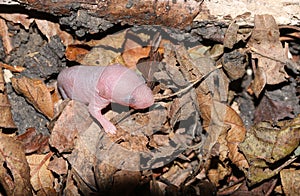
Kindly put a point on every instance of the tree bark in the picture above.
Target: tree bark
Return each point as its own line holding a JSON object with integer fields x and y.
{"x": 176, "y": 13}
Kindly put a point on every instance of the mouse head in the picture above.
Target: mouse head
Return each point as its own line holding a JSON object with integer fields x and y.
{"x": 141, "y": 97}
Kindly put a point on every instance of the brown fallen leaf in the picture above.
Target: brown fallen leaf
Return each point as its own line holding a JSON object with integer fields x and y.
{"x": 218, "y": 116}
{"x": 218, "y": 174}
{"x": 71, "y": 187}
{"x": 290, "y": 179}
{"x": 35, "y": 92}
{"x": 58, "y": 165}
{"x": 46, "y": 27}
{"x": 34, "y": 142}
{"x": 133, "y": 52}
{"x": 243, "y": 189}
{"x": 235, "y": 135}
{"x": 50, "y": 29}
{"x": 176, "y": 175}
{"x": 210, "y": 93}
{"x": 271, "y": 110}
{"x": 259, "y": 82}
{"x": 14, "y": 169}
{"x": 76, "y": 52}
{"x": 267, "y": 49}
{"x": 42, "y": 179}
{"x": 101, "y": 55}
{"x": 266, "y": 144}
{"x": 84, "y": 156}
{"x": 74, "y": 119}
{"x": 17, "y": 18}
{"x": 4, "y": 34}
{"x": 231, "y": 35}
{"x": 6, "y": 120}
{"x": 234, "y": 63}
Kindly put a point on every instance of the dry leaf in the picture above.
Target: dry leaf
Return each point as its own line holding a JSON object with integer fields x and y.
{"x": 58, "y": 165}
{"x": 34, "y": 141}
{"x": 266, "y": 144}
{"x": 177, "y": 175}
{"x": 17, "y": 18}
{"x": 103, "y": 175}
{"x": 85, "y": 155}
{"x": 74, "y": 119}
{"x": 99, "y": 56}
{"x": 71, "y": 188}
{"x": 220, "y": 117}
{"x": 6, "y": 120}
{"x": 76, "y": 52}
{"x": 235, "y": 135}
{"x": 214, "y": 87}
{"x": 231, "y": 35}
{"x": 102, "y": 55}
{"x": 271, "y": 110}
{"x": 4, "y": 34}
{"x": 35, "y": 92}
{"x": 218, "y": 174}
{"x": 290, "y": 179}
{"x": 259, "y": 82}
{"x": 267, "y": 49}
{"x": 42, "y": 179}
{"x": 50, "y": 29}
{"x": 199, "y": 51}
{"x": 234, "y": 63}
{"x": 115, "y": 40}
{"x": 133, "y": 52}
{"x": 14, "y": 169}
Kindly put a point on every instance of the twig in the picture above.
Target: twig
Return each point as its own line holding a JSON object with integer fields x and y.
{"x": 291, "y": 65}
{"x": 194, "y": 82}
{"x": 263, "y": 55}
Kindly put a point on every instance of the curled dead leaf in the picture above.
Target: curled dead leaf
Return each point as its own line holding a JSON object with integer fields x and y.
{"x": 42, "y": 179}
{"x": 234, "y": 63}
{"x": 34, "y": 141}
{"x": 231, "y": 35}
{"x": 4, "y": 34}
{"x": 14, "y": 169}
{"x": 267, "y": 49}
{"x": 220, "y": 121}
{"x": 6, "y": 120}
{"x": 74, "y": 119}
{"x": 76, "y": 52}
{"x": 272, "y": 110}
{"x": 134, "y": 52}
{"x": 35, "y": 92}
{"x": 259, "y": 82}
{"x": 265, "y": 144}
{"x": 290, "y": 179}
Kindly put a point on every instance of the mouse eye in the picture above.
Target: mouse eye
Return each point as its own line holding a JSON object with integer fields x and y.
{"x": 131, "y": 101}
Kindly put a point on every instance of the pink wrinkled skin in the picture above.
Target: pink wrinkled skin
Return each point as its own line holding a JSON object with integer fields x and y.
{"x": 97, "y": 86}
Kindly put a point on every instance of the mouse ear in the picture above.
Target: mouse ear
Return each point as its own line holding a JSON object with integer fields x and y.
{"x": 147, "y": 69}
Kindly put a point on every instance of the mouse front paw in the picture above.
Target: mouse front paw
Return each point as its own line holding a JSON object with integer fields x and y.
{"x": 109, "y": 128}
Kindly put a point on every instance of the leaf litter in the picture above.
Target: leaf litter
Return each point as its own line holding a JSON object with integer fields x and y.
{"x": 192, "y": 140}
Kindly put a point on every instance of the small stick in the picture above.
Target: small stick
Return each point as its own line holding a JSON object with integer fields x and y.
{"x": 194, "y": 82}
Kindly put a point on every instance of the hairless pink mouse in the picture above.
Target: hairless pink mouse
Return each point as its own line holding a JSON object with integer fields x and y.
{"x": 98, "y": 86}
